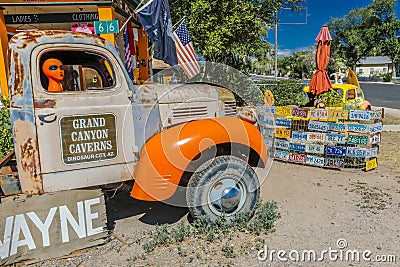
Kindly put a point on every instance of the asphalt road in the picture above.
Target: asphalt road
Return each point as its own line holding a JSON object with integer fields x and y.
{"x": 382, "y": 94}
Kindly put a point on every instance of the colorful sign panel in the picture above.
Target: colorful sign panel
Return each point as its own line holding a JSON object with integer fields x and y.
{"x": 283, "y": 123}
{"x": 338, "y": 114}
{"x": 300, "y": 112}
{"x": 297, "y": 147}
{"x": 376, "y": 114}
{"x": 315, "y": 160}
{"x": 297, "y": 158}
{"x": 358, "y": 128}
{"x": 376, "y": 139}
{"x": 283, "y": 111}
{"x": 358, "y": 140}
{"x": 336, "y": 127}
{"x": 280, "y": 154}
{"x": 371, "y": 164}
{"x": 319, "y": 113}
{"x": 335, "y": 162}
{"x": 336, "y": 150}
{"x": 88, "y": 138}
{"x": 360, "y": 115}
{"x": 372, "y": 152}
{"x": 336, "y": 138}
{"x": 282, "y": 144}
{"x": 375, "y": 128}
{"x": 318, "y": 126}
{"x": 356, "y": 152}
{"x": 299, "y": 136}
{"x": 316, "y": 137}
{"x": 266, "y": 120}
{"x": 282, "y": 133}
{"x": 315, "y": 148}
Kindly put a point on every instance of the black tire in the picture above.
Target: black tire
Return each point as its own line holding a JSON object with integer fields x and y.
{"x": 222, "y": 186}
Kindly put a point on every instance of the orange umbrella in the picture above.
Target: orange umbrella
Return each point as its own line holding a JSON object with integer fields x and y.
{"x": 320, "y": 81}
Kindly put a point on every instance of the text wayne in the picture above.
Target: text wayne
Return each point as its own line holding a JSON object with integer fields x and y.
{"x": 18, "y": 229}
{"x": 88, "y": 134}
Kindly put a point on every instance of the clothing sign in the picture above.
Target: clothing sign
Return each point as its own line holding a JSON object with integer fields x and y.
{"x": 51, "y": 18}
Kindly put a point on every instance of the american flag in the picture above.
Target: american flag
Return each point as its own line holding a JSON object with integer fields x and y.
{"x": 128, "y": 60}
{"x": 185, "y": 51}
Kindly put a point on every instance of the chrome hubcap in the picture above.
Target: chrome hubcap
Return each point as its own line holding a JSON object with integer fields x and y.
{"x": 230, "y": 198}
{"x": 226, "y": 196}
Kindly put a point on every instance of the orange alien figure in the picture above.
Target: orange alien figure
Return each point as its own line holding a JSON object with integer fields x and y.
{"x": 52, "y": 69}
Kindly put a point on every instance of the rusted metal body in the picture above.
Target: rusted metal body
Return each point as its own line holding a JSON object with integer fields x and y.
{"x": 37, "y": 147}
{"x": 9, "y": 184}
{"x": 58, "y": 136}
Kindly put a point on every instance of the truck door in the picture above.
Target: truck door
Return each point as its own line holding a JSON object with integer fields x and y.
{"x": 83, "y": 116}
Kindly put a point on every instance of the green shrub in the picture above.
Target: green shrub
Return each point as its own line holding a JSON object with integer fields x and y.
{"x": 332, "y": 99}
{"x": 6, "y": 142}
{"x": 286, "y": 92}
{"x": 387, "y": 77}
{"x": 263, "y": 222}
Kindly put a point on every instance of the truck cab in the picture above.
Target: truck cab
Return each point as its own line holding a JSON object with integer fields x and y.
{"x": 100, "y": 128}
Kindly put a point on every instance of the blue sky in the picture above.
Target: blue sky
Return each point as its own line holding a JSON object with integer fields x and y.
{"x": 300, "y": 36}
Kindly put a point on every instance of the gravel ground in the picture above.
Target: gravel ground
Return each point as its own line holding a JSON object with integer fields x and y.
{"x": 320, "y": 210}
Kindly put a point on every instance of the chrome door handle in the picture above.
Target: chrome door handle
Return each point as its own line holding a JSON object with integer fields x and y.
{"x": 43, "y": 117}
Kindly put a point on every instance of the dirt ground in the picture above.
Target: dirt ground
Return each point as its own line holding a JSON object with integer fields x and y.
{"x": 348, "y": 210}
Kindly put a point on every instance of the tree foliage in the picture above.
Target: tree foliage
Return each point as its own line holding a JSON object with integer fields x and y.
{"x": 229, "y": 32}
{"x": 300, "y": 65}
{"x": 363, "y": 31}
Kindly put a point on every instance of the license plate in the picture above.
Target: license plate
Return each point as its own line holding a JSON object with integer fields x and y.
{"x": 371, "y": 164}
{"x": 357, "y": 140}
{"x": 336, "y": 150}
{"x": 355, "y": 152}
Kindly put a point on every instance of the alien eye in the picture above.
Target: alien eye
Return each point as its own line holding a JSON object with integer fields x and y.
{"x": 53, "y": 67}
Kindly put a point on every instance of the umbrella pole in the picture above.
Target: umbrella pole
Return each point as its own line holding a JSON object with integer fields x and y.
{"x": 276, "y": 46}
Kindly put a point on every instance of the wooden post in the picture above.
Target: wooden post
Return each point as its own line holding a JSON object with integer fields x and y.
{"x": 3, "y": 56}
{"x": 107, "y": 13}
{"x": 143, "y": 56}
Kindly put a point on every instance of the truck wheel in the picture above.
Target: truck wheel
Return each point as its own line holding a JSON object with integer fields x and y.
{"x": 223, "y": 186}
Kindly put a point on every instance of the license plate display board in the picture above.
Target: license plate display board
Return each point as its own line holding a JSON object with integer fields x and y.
{"x": 331, "y": 137}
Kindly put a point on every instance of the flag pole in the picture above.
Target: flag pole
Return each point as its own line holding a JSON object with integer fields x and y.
{"x": 126, "y": 22}
{"x": 141, "y": 3}
{"x": 184, "y": 17}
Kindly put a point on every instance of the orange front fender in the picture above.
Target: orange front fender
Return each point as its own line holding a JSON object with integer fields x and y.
{"x": 366, "y": 105}
{"x": 165, "y": 156}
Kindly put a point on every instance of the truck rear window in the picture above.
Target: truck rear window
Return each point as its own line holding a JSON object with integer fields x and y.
{"x": 76, "y": 71}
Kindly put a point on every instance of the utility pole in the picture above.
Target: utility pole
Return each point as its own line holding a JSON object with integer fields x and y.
{"x": 276, "y": 36}
{"x": 276, "y": 46}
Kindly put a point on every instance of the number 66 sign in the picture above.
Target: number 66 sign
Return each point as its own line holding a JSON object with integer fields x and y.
{"x": 107, "y": 26}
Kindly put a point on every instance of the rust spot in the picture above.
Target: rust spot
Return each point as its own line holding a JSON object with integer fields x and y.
{"x": 18, "y": 75}
{"x": 45, "y": 103}
{"x": 29, "y": 163}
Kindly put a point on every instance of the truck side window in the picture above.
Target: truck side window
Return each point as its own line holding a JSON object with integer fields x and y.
{"x": 82, "y": 70}
{"x": 351, "y": 94}
{"x": 359, "y": 93}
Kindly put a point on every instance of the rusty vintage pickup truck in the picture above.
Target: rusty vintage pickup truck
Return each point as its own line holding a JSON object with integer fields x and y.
{"x": 101, "y": 129}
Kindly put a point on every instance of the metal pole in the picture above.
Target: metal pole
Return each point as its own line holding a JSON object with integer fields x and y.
{"x": 276, "y": 46}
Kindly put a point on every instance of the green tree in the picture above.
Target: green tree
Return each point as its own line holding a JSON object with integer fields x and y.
{"x": 390, "y": 46}
{"x": 300, "y": 65}
{"x": 359, "y": 33}
{"x": 230, "y": 32}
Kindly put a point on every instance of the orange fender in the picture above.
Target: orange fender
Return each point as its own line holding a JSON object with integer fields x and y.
{"x": 366, "y": 104}
{"x": 166, "y": 156}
